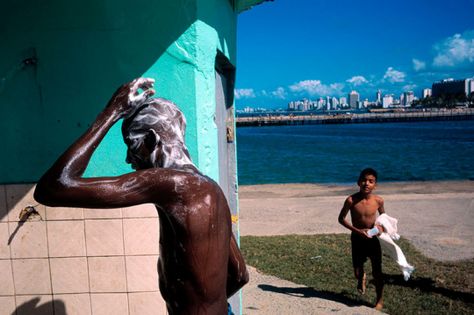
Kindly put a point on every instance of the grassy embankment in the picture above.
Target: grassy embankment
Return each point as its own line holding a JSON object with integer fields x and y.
{"x": 323, "y": 264}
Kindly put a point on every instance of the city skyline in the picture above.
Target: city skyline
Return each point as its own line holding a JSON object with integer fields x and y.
{"x": 291, "y": 50}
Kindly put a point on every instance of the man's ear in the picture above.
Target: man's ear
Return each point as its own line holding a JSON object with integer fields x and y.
{"x": 151, "y": 140}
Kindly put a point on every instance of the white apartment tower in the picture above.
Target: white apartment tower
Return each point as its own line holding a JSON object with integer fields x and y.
{"x": 378, "y": 97}
{"x": 342, "y": 101}
{"x": 409, "y": 98}
{"x": 426, "y": 93}
{"x": 387, "y": 101}
{"x": 353, "y": 99}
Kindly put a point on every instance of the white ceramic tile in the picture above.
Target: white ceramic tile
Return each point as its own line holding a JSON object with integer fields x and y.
{"x": 107, "y": 274}
{"x": 104, "y": 237}
{"x": 34, "y": 305}
{"x": 28, "y": 240}
{"x": 66, "y": 238}
{"x": 60, "y": 213}
{"x": 142, "y": 273}
{"x": 141, "y": 236}
{"x": 147, "y": 210}
{"x": 31, "y": 276}
{"x": 109, "y": 304}
{"x": 69, "y": 275}
{"x": 146, "y": 303}
{"x": 6, "y": 278}
{"x": 20, "y": 196}
{"x": 4, "y": 235}
{"x": 7, "y": 305}
{"x": 115, "y": 213}
{"x": 3, "y": 205}
{"x": 73, "y": 304}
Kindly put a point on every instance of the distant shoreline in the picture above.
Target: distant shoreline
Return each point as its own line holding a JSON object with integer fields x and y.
{"x": 383, "y": 187}
{"x": 278, "y": 119}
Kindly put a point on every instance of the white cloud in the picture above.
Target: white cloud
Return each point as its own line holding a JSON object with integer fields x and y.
{"x": 409, "y": 87}
{"x": 456, "y": 50}
{"x": 280, "y": 93}
{"x": 244, "y": 93}
{"x": 357, "y": 80}
{"x": 394, "y": 76}
{"x": 315, "y": 87}
{"x": 418, "y": 64}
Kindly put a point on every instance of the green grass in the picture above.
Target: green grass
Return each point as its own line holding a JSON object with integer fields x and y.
{"x": 323, "y": 263}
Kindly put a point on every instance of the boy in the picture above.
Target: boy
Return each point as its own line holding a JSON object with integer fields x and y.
{"x": 364, "y": 206}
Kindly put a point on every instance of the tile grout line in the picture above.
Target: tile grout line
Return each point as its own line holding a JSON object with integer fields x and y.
{"x": 87, "y": 263}
{"x": 49, "y": 262}
{"x": 9, "y": 246}
{"x": 125, "y": 262}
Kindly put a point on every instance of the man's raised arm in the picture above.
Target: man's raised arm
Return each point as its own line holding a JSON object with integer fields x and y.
{"x": 63, "y": 185}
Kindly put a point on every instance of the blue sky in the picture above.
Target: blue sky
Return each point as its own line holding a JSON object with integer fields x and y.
{"x": 294, "y": 49}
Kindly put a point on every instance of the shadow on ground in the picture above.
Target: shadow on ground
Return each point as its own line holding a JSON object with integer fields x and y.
{"x": 428, "y": 285}
{"x": 307, "y": 292}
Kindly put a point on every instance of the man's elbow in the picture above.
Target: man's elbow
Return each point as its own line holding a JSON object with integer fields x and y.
{"x": 41, "y": 194}
{"x": 47, "y": 193}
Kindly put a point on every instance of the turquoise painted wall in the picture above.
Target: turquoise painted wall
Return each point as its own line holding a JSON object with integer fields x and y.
{"x": 85, "y": 50}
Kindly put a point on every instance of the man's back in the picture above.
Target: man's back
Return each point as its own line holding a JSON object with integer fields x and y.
{"x": 195, "y": 233}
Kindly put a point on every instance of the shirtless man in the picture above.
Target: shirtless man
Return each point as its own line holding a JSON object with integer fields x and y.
{"x": 200, "y": 264}
{"x": 364, "y": 206}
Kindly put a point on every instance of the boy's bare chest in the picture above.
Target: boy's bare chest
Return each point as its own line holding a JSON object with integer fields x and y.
{"x": 365, "y": 208}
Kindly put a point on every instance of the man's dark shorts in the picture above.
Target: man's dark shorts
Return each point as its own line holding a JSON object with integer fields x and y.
{"x": 363, "y": 248}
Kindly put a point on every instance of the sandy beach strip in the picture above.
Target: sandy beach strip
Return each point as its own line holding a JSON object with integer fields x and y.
{"x": 437, "y": 217}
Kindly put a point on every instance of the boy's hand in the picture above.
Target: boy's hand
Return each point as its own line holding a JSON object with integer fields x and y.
{"x": 363, "y": 233}
{"x": 380, "y": 228}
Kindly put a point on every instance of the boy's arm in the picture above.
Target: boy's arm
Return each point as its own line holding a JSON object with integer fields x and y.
{"x": 342, "y": 218}
{"x": 381, "y": 205}
{"x": 63, "y": 185}
{"x": 381, "y": 210}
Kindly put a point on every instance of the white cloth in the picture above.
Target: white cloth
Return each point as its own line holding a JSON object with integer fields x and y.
{"x": 388, "y": 245}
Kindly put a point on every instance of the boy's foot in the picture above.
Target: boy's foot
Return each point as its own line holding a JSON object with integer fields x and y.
{"x": 361, "y": 284}
{"x": 379, "y": 306}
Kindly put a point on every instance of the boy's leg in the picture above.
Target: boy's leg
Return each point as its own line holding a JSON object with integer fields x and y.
{"x": 361, "y": 279}
{"x": 358, "y": 260}
{"x": 376, "y": 261}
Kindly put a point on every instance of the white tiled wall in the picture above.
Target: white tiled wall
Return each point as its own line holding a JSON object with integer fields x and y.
{"x": 77, "y": 261}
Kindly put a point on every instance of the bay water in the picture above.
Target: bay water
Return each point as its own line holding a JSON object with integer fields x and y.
{"x": 415, "y": 151}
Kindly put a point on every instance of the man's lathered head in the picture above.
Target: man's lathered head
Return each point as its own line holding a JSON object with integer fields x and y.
{"x": 154, "y": 135}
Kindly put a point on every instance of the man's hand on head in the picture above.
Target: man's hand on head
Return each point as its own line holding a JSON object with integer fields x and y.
{"x": 128, "y": 98}
{"x": 135, "y": 98}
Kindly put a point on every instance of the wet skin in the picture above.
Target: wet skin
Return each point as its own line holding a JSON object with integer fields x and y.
{"x": 200, "y": 264}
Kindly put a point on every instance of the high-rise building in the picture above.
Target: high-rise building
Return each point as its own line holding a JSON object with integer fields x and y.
{"x": 408, "y": 99}
{"x": 353, "y": 99}
{"x": 470, "y": 86}
{"x": 387, "y": 100}
{"x": 378, "y": 97}
{"x": 342, "y": 101}
{"x": 450, "y": 87}
{"x": 426, "y": 93}
{"x": 334, "y": 103}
